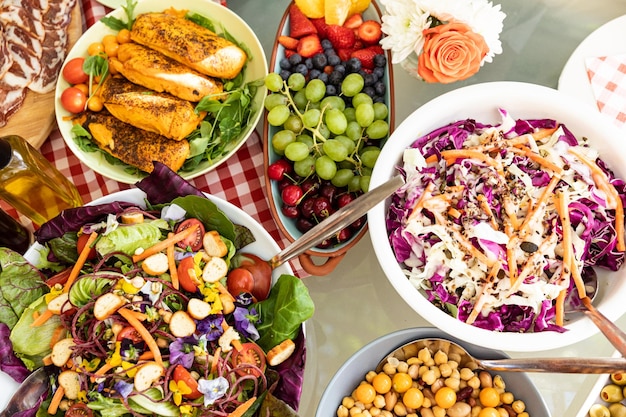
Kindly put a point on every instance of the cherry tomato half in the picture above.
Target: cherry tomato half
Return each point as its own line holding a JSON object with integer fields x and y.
{"x": 239, "y": 280}
{"x": 73, "y": 71}
{"x": 130, "y": 333}
{"x": 261, "y": 272}
{"x": 182, "y": 374}
{"x": 73, "y": 100}
{"x": 193, "y": 242}
{"x": 250, "y": 354}
{"x": 79, "y": 410}
{"x": 187, "y": 276}
{"x": 80, "y": 245}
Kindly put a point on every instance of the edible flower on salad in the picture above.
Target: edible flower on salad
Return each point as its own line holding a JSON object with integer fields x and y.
{"x": 498, "y": 224}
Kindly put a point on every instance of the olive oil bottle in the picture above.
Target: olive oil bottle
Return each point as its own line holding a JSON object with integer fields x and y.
{"x": 31, "y": 184}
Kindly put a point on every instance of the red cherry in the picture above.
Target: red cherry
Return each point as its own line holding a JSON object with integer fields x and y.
{"x": 290, "y": 211}
{"x": 292, "y": 194}
{"x": 277, "y": 170}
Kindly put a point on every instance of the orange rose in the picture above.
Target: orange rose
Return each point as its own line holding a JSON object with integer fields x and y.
{"x": 451, "y": 52}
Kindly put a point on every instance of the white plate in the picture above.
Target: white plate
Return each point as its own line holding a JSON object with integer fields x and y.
{"x": 223, "y": 18}
{"x": 603, "y": 41}
{"x": 480, "y": 102}
{"x": 113, "y": 4}
{"x": 264, "y": 246}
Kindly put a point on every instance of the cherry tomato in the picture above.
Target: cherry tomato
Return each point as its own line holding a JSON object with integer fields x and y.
{"x": 261, "y": 272}
{"x": 130, "y": 333}
{"x": 193, "y": 242}
{"x": 73, "y": 71}
{"x": 187, "y": 276}
{"x": 182, "y": 374}
{"x": 80, "y": 245}
{"x": 239, "y": 280}
{"x": 251, "y": 354}
{"x": 79, "y": 410}
{"x": 73, "y": 100}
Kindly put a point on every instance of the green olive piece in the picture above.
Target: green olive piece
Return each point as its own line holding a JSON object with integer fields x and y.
{"x": 599, "y": 410}
{"x": 617, "y": 410}
{"x": 619, "y": 378}
{"x": 612, "y": 393}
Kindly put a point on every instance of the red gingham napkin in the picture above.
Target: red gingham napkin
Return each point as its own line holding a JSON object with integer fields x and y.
{"x": 607, "y": 75}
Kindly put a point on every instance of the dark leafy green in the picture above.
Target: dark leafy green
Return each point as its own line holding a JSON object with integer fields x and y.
{"x": 64, "y": 247}
{"x": 20, "y": 285}
{"x": 282, "y": 314}
{"x": 118, "y": 24}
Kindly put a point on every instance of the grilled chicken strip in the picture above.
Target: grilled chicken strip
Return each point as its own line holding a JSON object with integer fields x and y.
{"x": 153, "y": 70}
{"x": 160, "y": 113}
{"x": 189, "y": 44}
{"x": 134, "y": 146}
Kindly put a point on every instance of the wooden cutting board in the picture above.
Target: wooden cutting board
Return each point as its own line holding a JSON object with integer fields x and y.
{"x": 35, "y": 119}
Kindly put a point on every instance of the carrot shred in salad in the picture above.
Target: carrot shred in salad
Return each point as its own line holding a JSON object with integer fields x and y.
{"x": 495, "y": 223}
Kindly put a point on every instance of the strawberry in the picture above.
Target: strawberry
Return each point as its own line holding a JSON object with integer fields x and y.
{"x": 289, "y": 52}
{"x": 309, "y": 46}
{"x": 320, "y": 25}
{"x": 354, "y": 21}
{"x": 370, "y": 32}
{"x": 288, "y": 42}
{"x": 344, "y": 54}
{"x": 366, "y": 56}
{"x": 340, "y": 37}
{"x": 299, "y": 24}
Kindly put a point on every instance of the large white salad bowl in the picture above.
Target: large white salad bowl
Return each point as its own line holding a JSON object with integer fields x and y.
{"x": 481, "y": 102}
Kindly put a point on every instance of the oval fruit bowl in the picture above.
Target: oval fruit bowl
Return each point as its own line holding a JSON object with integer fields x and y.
{"x": 329, "y": 113}
{"x": 206, "y": 151}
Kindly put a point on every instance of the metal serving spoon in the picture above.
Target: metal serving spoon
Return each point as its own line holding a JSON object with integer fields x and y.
{"x": 343, "y": 217}
{"x": 555, "y": 365}
{"x": 28, "y": 394}
{"x": 613, "y": 333}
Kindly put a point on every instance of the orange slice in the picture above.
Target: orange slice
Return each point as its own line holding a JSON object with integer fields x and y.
{"x": 313, "y": 9}
{"x": 336, "y": 11}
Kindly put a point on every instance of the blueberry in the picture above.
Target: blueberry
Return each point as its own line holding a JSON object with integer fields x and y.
{"x": 295, "y": 59}
{"x": 379, "y": 72}
{"x": 302, "y": 69}
{"x": 326, "y": 44}
{"x": 333, "y": 59}
{"x": 319, "y": 61}
{"x": 370, "y": 91}
{"x": 284, "y": 74}
{"x": 324, "y": 77}
{"x": 284, "y": 63}
{"x": 380, "y": 60}
{"x": 380, "y": 88}
{"x": 353, "y": 65}
{"x": 341, "y": 68}
{"x": 314, "y": 73}
{"x": 309, "y": 63}
{"x": 369, "y": 79}
{"x": 379, "y": 99}
{"x": 331, "y": 90}
{"x": 335, "y": 77}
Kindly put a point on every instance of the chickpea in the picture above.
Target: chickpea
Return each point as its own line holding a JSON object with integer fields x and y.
{"x": 440, "y": 358}
{"x": 348, "y": 402}
{"x": 403, "y": 367}
{"x": 342, "y": 411}
{"x": 518, "y": 406}
{"x": 370, "y": 376}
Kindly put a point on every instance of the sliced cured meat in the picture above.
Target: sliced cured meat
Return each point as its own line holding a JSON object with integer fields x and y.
{"x": 30, "y": 20}
{"x": 52, "y": 58}
{"x": 12, "y": 95}
{"x": 6, "y": 59}
{"x": 17, "y": 35}
{"x": 56, "y": 15}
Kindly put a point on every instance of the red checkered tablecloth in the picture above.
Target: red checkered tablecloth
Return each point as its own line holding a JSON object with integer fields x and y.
{"x": 240, "y": 180}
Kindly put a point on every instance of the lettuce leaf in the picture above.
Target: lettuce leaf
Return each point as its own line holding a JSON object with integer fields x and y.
{"x": 129, "y": 238}
{"x": 20, "y": 285}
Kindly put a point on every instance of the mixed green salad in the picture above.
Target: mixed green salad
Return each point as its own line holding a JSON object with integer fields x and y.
{"x": 153, "y": 310}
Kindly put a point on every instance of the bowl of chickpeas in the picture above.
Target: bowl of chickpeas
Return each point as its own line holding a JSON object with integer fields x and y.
{"x": 430, "y": 383}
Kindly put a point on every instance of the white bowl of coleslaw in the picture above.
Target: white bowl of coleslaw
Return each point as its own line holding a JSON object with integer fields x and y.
{"x": 485, "y": 246}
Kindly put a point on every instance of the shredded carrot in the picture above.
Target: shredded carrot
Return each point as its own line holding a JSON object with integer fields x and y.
{"x": 451, "y": 155}
{"x": 56, "y": 400}
{"x": 235, "y": 342}
{"x": 139, "y": 315}
{"x": 563, "y": 211}
{"x": 609, "y": 189}
{"x": 543, "y": 133}
{"x": 512, "y": 259}
{"x": 58, "y": 334}
{"x": 537, "y": 209}
{"x": 163, "y": 244}
{"x": 510, "y": 211}
{"x": 106, "y": 367}
{"x": 578, "y": 279}
{"x": 483, "y": 293}
{"x": 47, "y": 360}
{"x": 242, "y": 408}
{"x": 171, "y": 263}
{"x": 143, "y": 332}
{"x": 527, "y": 152}
{"x": 214, "y": 362}
{"x": 42, "y": 318}
{"x": 432, "y": 159}
{"x": 560, "y": 307}
{"x": 485, "y": 206}
{"x": 419, "y": 204}
{"x": 146, "y": 356}
{"x": 533, "y": 262}
{"x": 80, "y": 262}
